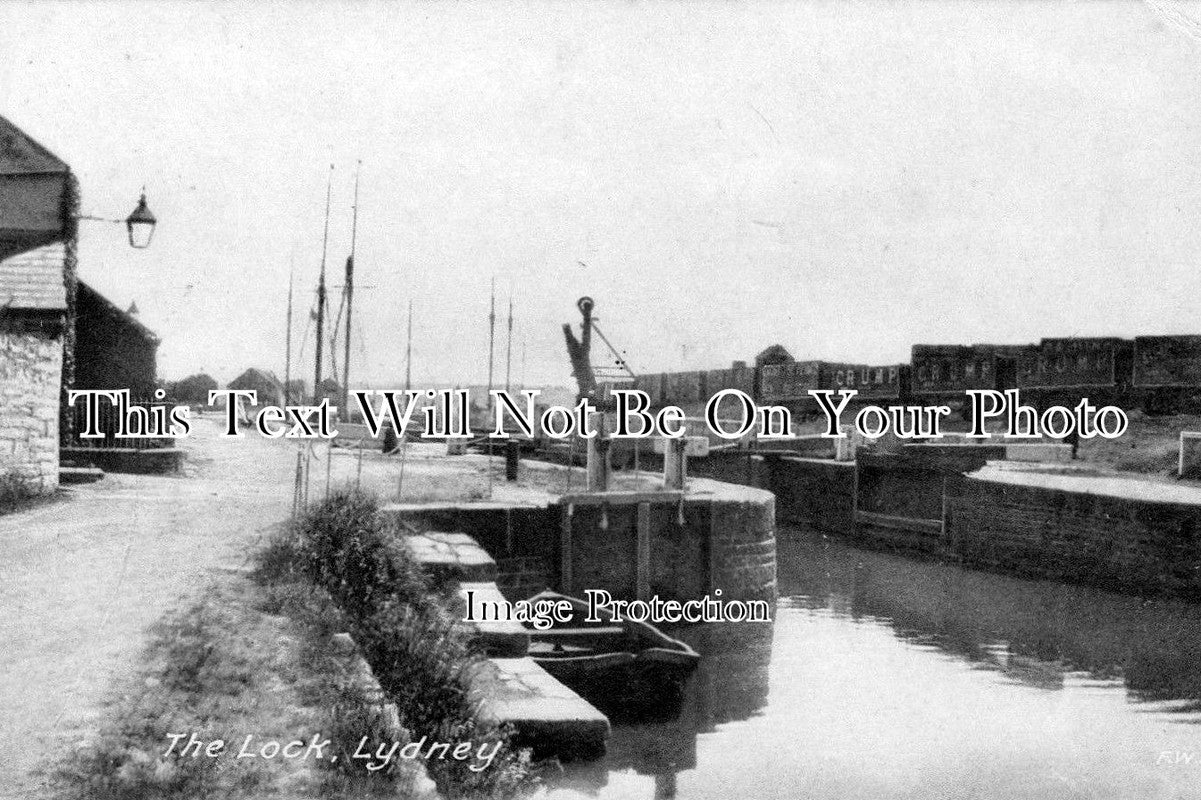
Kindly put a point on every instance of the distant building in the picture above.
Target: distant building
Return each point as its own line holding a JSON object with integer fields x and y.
{"x": 775, "y": 354}
{"x": 37, "y": 266}
{"x": 269, "y": 389}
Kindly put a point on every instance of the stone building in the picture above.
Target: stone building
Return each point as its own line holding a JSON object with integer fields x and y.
{"x": 56, "y": 333}
{"x": 31, "y": 360}
{"x": 37, "y": 253}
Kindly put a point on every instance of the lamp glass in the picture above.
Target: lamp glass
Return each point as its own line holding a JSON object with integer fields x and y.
{"x": 141, "y": 225}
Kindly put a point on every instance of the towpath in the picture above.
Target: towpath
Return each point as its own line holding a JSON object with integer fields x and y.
{"x": 82, "y": 581}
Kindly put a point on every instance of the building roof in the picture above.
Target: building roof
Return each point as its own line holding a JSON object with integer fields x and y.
{"x": 114, "y": 310}
{"x": 33, "y": 280}
{"x": 256, "y": 377}
{"x": 20, "y": 154}
{"x": 775, "y": 354}
{"x": 34, "y": 188}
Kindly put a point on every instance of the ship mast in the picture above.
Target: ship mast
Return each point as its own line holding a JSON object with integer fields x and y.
{"x": 354, "y": 227}
{"x": 321, "y": 291}
{"x": 288, "y": 339}
{"x": 509, "y": 344}
{"x": 409, "y": 355}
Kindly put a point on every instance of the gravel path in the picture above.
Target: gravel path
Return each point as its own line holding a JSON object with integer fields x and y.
{"x": 83, "y": 580}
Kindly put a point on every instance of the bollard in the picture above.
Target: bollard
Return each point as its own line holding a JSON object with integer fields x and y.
{"x": 675, "y": 464}
{"x": 512, "y": 459}
{"x": 390, "y": 440}
{"x": 598, "y": 463}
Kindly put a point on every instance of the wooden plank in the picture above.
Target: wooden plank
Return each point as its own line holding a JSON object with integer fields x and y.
{"x": 643, "y": 590}
{"x": 620, "y": 498}
{"x": 916, "y": 524}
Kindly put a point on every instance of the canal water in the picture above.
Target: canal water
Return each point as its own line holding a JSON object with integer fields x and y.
{"x": 889, "y": 677}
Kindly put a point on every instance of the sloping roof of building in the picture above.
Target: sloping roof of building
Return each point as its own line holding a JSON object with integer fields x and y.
{"x": 255, "y": 376}
{"x": 113, "y": 309}
{"x": 775, "y": 354}
{"x": 21, "y": 154}
{"x": 33, "y": 280}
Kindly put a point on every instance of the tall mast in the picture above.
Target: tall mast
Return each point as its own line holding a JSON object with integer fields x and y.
{"x": 491, "y": 336}
{"x": 409, "y": 354}
{"x": 288, "y": 340}
{"x": 321, "y": 290}
{"x": 491, "y": 350}
{"x": 509, "y": 343}
{"x": 354, "y": 228}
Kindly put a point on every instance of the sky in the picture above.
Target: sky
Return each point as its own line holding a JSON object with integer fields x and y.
{"x": 846, "y": 179}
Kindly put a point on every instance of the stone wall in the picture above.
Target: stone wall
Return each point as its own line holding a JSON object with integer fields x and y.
{"x": 809, "y": 491}
{"x": 723, "y": 538}
{"x": 1107, "y": 541}
{"x": 742, "y": 542}
{"x": 30, "y": 381}
{"x": 523, "y": 540}
{"x": 725, "y": 541}
{"x": 522, "y": 577}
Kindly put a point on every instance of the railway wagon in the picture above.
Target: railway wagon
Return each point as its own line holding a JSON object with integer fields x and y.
{"x": 948, "y": 370}
{"x": 683, "y": 388}
{"x": 736, "y": 377}
{"x": 781, "y": 384}
{"x": 713, "y": 381}
{"x": 882, "y": 383}
{"x": 1167, "y": 362}
{"x": 1166, "y": 373}
{"x": 837, "y": 376}
{"x": 744, "y": 379}
{"x": 652, "y": 384}
{"x": 1063, "y": 369}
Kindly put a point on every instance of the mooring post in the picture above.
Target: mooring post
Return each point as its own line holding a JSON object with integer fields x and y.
{"x": 565, "y": 550}
{"x": 512, "y": 459}
{"x": 675, "y": 463}
{"x": 643, "y": 579}
{"x": 599, "y": 465}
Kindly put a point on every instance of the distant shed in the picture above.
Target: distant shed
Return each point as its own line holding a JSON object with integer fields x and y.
{"x": 268, "y": 388}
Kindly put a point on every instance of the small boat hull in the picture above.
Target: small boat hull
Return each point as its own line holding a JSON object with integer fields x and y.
{"x": 626, "y": 669}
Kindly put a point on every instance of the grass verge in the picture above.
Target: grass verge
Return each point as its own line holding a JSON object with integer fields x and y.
{"x": 226, "y": 667}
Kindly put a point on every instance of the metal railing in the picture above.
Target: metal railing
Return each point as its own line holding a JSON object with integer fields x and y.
{"x": 109, "y": 424}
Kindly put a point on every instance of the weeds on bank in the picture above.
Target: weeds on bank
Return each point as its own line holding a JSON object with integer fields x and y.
{"x": 419, "y": 651}
{"x": 16, "y": 492}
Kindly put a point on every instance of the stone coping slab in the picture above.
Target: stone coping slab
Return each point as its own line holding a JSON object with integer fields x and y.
{"x": 500, "y": 638}
{"x": 1085, "y": 481}
{"x": 549, "y": 717}
{"x": 452, "y": 555}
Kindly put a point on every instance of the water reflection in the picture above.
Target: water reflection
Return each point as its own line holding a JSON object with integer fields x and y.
{"x": 730, "y": 684}
{"x": 885, "y": 676}
{"x": 1034, "y": 632}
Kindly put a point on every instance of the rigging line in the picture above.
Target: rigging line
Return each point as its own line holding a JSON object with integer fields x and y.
{"x": 620, "y": 359}
{"x": 333, "y": 355}
{"x": 304, "y": 339}
{"x": 358, "y": 325}
{"x": 1172, "y": 13}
